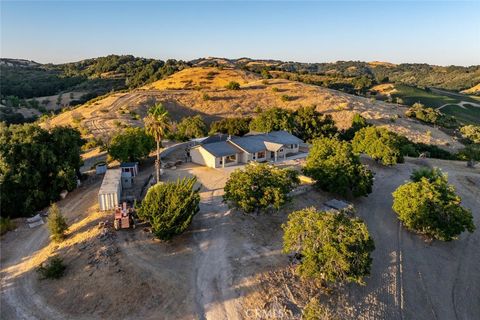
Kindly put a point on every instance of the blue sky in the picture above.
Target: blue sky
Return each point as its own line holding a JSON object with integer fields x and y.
{"x": 444, "y": 32}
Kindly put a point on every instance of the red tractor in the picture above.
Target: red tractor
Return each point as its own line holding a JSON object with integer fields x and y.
{"x": 124, "y": 217}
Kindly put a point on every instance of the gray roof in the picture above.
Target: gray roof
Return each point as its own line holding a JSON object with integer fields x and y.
{"x": 256, "y": 142}
{"x": 220, "y": 146}
{"x": 250, "y": 143}
{"x": 220, "y": 149}
{"x": 111, "y": 181}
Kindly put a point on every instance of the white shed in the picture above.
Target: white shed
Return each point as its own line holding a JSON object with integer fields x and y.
{"x": 111, "y": 190}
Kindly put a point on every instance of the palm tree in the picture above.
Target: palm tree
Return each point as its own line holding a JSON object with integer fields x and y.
{"x": 157, "y": 124}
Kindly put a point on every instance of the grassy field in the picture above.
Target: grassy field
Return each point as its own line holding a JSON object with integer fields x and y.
{"x": 436, "y": 98}
{"x": 469, "y": 115}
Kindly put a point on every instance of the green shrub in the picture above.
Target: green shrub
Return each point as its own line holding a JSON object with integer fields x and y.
{"x": 275, "y": 89}
{"x": 55, "y": 269}
{"x": 132, "y": 144}
{"x": 170, "y": 207}
{"x": 380, "y": 144}
{"x": 235, "y": 126}
{"x": 335, "y": 168}
{"x": 206, "y": 96}
{"x": 56, "y": 223}
{"x": 431, "y": 207}
{"x": 192, "y": 127}
{"x": 471, "y": 132}
{"x": 233, "y": 85}
{"x": 259, "y": 186}
{"x": 431, "y": 174}
{"x": 332, "y": 246}
{"x": 286, "y": 97}
{"x": 315, "y": 311}
{"x": 358, "y": 122}
{"x": 6, "y": 225}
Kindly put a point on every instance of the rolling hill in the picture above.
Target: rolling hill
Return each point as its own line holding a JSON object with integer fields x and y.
{"x": 200, "y": 90}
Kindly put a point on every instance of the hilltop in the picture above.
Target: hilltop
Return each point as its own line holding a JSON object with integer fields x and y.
{"x": 200, "y": 90}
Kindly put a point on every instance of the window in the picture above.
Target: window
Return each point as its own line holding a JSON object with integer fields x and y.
{"x": 231, "y": 158}
{"x": 261, "y": 154}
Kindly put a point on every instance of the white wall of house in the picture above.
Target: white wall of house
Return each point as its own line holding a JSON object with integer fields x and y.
{"x": 201, "y": 156}
{"x": 291, "y": 148}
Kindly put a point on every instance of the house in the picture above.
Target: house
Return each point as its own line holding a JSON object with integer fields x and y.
{"x": 111, "y": 190}
{"x": 221, "y": 150}
{"x": 129, "y": 170}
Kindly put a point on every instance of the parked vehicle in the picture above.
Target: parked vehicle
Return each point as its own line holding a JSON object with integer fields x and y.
{"x": 124, "y": 217}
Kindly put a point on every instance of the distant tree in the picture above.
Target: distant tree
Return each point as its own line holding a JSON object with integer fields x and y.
{"x": 157, "y": 124}
{"x": 470, "y": 153}
{"x": 431, "y": 207}
{"x": 311, "y": 124}
{"x": 273, "y": 119}
{"x": 358, "y": 122}
{"x": 265, "y": 74}
{"x": 430, "y": 115}
{"x": 332, "y": 246}
{"x": 259, "y": 186}
{"x": 232, "y": 126}
{"x": 233, "y": 85}
{"x": 132, "y": 144}
{"x": 56, "y": 223}
{"x": 169, "y": 207}
{"x": 335, "y": 168}
{"x": 192, "y": 127}
{"x": 471, "y": 132}
{"x": 380, "y": 144}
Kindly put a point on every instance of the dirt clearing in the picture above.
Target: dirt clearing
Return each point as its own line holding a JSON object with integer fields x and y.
{"x": 230, "y": 266}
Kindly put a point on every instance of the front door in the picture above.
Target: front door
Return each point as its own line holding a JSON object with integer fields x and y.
{"x": 272, "y": 155}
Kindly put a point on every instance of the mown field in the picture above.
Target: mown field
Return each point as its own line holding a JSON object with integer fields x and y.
{"x": 467, "y": 113}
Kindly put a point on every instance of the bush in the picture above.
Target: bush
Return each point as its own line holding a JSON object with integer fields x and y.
{"x": 206, "y": 96}
{"x": 55, "y": 269}
{"x": 273, "y": 119}
{"x": 332, "y": 246}
{"x": 233, "y": 85}
{"x": 286, "y": 97}
{"x": 310, "y": 124}
{"x": 430, "y": 115}
{"x": 259, "y": 186}
{"x": 6, "y": 225}
{"x": 335, "y": 168}
{"x": 358, "y": 122}
{"x": 469, "y": 153}
{"x": 56, "y": 223}
{"x": 315, "y": 311}
{"x": 170, "y": 207}
{"x": 380, "y": 144}
{"x": 431, "y": 174}
{"x": 232, "y": 126}
{"x": 132, "y": 144}
{"x": 192, "y": 127}
{"x": 431, "y": 207}
{"x": 471, "y": 133}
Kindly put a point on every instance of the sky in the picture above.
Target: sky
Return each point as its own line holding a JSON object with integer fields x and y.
{"x": 434, "y": 32}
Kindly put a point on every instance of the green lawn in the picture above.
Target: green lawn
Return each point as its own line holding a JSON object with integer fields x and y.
{"x": 410, "y": 95}
{"x": 471, "y": 115}
{"x": 436, "y": 98}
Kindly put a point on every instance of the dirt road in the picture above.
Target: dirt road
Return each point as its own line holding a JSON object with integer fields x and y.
{"x": 212, "y": 270}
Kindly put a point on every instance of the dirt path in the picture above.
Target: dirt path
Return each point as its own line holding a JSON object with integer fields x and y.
{"x": 19, "y": 297}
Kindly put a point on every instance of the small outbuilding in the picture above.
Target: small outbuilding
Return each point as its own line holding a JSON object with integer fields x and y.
{"x": 111, "y": 190}
{"x": 129, "y": 169}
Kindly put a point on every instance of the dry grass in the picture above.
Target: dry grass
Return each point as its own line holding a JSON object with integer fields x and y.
{"x": 473, "y": 90}
{"x": 192, "y": 83}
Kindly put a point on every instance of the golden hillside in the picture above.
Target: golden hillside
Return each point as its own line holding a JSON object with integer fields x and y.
{"x": 201, "y": 91}
{"x": 473, "y": 90}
